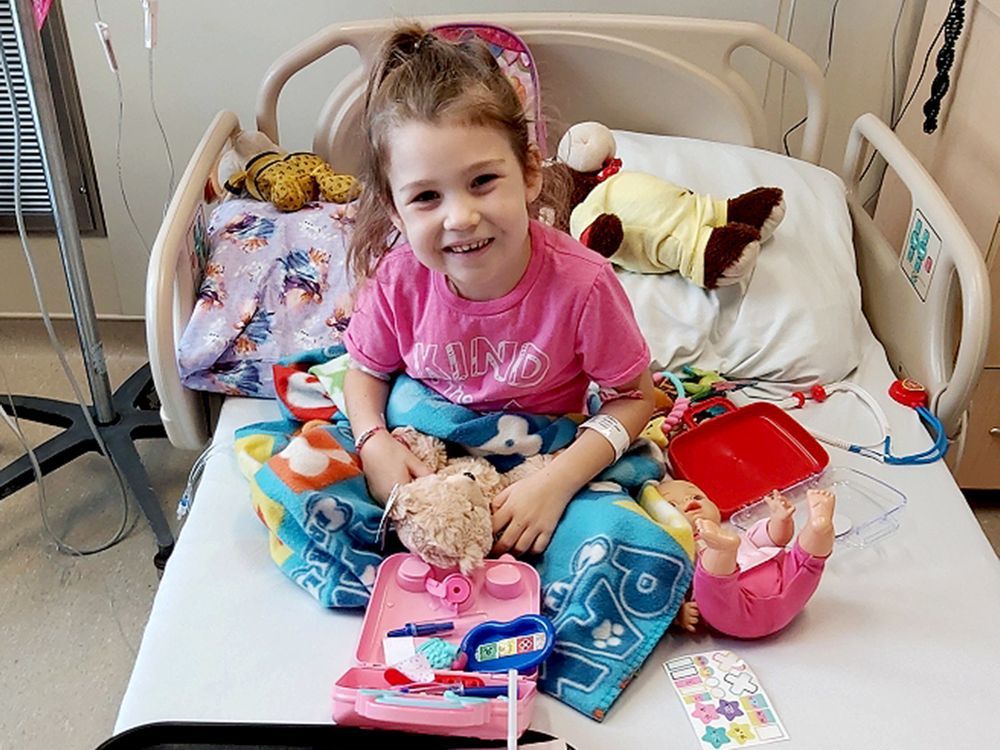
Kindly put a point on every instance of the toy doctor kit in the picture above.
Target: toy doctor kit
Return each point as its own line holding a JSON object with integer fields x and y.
{"x": 446, "y": 653}
{"x": 745, "y": 452}
{"x": 907, "y": 392}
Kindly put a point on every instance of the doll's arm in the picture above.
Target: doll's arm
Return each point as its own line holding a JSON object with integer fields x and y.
{"x": 780, "y": 524}
{"x": 688, "y": 616}
{"x": 527, "y": 512}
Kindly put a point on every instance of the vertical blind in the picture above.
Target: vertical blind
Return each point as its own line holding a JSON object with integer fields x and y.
{"x": 35, "y": 200}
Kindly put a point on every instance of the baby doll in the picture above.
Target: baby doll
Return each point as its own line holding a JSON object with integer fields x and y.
{"x": 746, "y": 585}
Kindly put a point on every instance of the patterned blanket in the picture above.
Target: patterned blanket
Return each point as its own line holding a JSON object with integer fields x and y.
{"x": 612, "y": 579}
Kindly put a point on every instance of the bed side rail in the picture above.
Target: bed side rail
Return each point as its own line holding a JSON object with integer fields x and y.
{"x": 172, "y": 285}
{"x": 698, "y": 90}
{"x": 916, "y": 320}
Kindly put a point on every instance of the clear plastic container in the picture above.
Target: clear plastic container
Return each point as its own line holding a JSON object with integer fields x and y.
{"x": 867, "y": 510}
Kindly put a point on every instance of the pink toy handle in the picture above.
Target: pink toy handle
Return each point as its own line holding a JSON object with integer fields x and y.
{"x": 694, "y": 411}
{"x": 468, "y": 715}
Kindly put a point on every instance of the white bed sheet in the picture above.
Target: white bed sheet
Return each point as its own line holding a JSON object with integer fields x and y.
{"x": 898, "y": 648}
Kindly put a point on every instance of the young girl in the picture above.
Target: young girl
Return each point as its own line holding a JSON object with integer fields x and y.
{"x": 491, "y": 309}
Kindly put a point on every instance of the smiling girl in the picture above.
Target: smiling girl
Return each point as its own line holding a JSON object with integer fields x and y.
{"x": 483, "y": 304}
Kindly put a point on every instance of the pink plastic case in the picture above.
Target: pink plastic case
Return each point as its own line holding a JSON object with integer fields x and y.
{"x": 409, "y": 590}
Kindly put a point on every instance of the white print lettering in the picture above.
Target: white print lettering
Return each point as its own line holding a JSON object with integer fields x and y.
{"x": 518, "y": 364}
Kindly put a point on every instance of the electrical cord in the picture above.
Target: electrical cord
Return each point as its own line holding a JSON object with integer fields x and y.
{"x": 953, "y": 24}
{"x": 123, "y": 529}
{"x": 826, "y": 69}
{"x": 909, "y": 100}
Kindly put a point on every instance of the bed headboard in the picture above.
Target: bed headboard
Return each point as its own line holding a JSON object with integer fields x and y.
{"x": 654, "y": 74}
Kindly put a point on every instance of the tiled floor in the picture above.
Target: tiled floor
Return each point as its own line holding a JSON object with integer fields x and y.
{"x": 69, "y": 627}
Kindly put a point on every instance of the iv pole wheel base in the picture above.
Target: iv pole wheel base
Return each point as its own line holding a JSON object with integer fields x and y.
{"x": 161, "y": 557}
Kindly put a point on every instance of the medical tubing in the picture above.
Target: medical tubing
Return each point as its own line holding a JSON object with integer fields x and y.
{"x": 60, "y": 353}
{"x": 163, "y": 133}
{"x": 118, "y": 148}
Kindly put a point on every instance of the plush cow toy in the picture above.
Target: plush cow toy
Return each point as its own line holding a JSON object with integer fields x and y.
{"x": 646, "y": 224}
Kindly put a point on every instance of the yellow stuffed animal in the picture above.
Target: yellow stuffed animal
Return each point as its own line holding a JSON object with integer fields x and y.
{"x": 289, "y": 181}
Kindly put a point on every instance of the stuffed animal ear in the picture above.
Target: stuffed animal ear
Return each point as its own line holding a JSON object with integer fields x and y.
{"x": 236, "y": 183}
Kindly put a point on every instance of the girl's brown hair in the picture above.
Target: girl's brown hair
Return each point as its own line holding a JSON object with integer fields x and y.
{"x": 420, "y": 76}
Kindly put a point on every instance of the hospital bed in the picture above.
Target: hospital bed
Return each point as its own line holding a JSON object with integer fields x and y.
{"x": 897, "y": 649}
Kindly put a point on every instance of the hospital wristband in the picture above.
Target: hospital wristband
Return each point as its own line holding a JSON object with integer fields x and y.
{"x": 612, "y": 430}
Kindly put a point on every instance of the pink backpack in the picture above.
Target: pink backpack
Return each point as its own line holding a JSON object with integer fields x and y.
{"x": 514, "y": 59}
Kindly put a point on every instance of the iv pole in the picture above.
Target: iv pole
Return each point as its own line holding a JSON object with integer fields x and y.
{"x": 122, "y": 416}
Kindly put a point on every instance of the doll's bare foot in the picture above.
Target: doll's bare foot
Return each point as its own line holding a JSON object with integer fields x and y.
{"x": 817, "y": 536}
{"x": 688, "y": 616}
{"x": 719, "y": 556}
{"x": 780, "y": 525}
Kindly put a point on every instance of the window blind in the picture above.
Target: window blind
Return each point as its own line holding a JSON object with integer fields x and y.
{"x": 35, "y": 200}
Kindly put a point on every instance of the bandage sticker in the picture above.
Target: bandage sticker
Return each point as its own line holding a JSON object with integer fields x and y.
{"x": 734, "y": 711}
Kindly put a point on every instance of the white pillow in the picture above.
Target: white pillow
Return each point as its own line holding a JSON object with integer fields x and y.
{"x": 800, "y": 317}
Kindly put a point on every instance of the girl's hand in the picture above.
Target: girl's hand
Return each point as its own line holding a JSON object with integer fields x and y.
{"x": 526, "y": 513}
{"x": 386, "y": 463}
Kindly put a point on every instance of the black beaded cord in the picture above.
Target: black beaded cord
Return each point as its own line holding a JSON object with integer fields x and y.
{"x": 945, "y": 59}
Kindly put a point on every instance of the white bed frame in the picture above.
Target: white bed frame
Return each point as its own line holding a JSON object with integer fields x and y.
{"x": 701, "y": 94}
{"x": 895, "y": 649}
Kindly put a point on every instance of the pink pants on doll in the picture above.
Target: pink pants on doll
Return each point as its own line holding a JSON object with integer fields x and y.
{"x": 762, "y": 600}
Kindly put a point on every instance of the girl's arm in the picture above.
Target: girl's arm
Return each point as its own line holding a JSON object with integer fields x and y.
{"x": 386, "y": 461}
{"x": 529, "y": 510}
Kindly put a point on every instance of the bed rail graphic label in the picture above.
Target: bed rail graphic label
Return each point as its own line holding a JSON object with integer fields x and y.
{"x": 920, "y": 253}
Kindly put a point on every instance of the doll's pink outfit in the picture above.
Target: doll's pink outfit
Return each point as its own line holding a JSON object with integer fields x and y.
{"x": 769, "y": 587}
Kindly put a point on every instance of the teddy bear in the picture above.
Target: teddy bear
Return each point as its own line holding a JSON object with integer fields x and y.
{"x": 646, "y": 224}
{"x": 256, "y": 167}
{"x": 444, "y": 517}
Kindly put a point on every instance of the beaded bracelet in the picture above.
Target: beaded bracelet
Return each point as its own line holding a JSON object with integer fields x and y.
{"x": 366, "y": 436}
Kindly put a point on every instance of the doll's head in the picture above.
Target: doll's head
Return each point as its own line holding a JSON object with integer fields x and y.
{"x": 689, "y": 499}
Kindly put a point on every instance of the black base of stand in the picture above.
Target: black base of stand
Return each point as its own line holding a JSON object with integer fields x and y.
{"x": 137, "y": 407}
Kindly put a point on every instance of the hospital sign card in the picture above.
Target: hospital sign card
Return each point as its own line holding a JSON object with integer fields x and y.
{"x": 724, "y": 701}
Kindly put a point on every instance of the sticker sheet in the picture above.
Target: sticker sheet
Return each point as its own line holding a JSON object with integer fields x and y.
{"x": 724, "y": 700}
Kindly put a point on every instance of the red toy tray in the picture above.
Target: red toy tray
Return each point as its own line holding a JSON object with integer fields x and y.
{"x": 739, "y": 456}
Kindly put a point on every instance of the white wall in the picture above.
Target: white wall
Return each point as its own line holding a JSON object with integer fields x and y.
{"x": 211, "y": 56}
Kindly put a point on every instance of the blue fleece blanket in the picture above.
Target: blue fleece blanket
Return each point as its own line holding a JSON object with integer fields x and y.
{"x": 612, "y": 579}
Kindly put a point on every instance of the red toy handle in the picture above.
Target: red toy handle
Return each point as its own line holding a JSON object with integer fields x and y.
{"x": 696, "y": 409}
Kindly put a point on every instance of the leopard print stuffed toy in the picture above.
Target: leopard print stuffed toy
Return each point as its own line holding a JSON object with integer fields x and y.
{"x": 289, "y": 181}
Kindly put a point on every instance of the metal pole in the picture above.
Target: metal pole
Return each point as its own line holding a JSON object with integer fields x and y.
{"x": 63, "y": 209}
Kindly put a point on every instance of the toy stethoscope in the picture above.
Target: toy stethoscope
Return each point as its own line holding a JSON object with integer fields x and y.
{"x": 907, "y": 392}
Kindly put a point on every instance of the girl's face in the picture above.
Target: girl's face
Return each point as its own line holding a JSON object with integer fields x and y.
{"x": 461, "y": 200}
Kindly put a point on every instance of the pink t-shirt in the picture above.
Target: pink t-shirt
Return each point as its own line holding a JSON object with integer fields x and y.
{"x": 535, "y": 350}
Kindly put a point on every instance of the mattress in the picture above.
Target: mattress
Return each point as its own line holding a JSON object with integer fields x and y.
{"x": 894, "y": 650}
